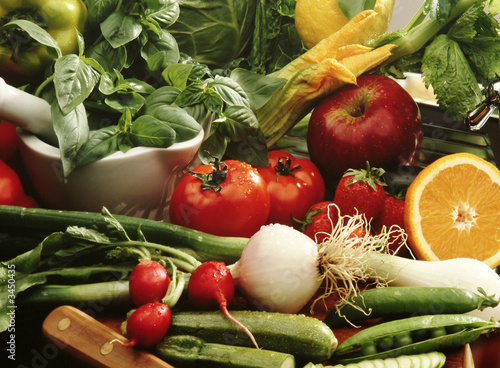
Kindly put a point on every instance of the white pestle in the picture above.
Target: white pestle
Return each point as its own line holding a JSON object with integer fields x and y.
{"x": 27, "y": 111}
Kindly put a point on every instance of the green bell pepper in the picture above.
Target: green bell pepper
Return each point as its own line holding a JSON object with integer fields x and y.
{"x": 22, "y": 58}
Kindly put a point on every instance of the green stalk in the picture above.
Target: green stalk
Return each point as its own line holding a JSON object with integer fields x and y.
{"x": 202, "y": 246}
{"x": 418, "y": 33}
{"x": 103, "y": 293}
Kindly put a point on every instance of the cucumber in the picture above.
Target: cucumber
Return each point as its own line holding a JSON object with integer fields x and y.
{"x": 192, "y": 351}
{"x": 307, "y": 338}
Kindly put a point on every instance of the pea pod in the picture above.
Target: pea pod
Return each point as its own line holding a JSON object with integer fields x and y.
{"x": 434, "y": 359}
{"x": 408, "y": 301}
{"x": 414, "y": 335}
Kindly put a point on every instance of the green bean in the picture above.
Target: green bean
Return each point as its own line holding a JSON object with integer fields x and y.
{"x": 408, "y": 301}
{"x": 414, "y": 335}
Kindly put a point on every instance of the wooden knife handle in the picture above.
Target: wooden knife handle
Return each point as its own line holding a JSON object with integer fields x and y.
{"x": 94, "y": 343}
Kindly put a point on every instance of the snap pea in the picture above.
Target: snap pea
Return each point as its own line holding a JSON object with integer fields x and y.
{"x": 408, "y": 301}
{"x": 414, "y": 335}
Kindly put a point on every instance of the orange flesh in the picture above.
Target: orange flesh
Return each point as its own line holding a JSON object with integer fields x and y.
{"x": 460, "y": 211}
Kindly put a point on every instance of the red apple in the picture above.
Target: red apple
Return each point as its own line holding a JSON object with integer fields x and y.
{"x": 376, "y": 121}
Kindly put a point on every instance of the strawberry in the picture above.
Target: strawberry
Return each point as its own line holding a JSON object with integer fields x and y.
{"x": 392, "y": 214}
{"x": 319, "y": 221}
{"x": 361, "y": 191}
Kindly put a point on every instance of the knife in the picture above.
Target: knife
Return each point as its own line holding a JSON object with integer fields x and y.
{"x": 94, "y": 343}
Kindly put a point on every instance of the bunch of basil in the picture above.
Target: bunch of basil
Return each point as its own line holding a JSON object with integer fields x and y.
{"x": 132, "y": 86}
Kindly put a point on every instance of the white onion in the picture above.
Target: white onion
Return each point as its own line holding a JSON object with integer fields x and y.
{"x": 465, "y": 273}
{"x": 278, "y": 269}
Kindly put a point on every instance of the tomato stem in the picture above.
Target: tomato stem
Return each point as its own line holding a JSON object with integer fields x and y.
{"x": 283, "y": 167}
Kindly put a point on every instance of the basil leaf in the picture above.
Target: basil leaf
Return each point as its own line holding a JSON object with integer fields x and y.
{"x": 150, "y": 132}
{"x": 238, "y": 134}
{"x": 120, "y": 29}
{"x": 74, "y": 80}
{"x": 162, "y": 96}
{"x": 166, "y": 15}
{"x": 121, "y": 101}
{"x": 102, "y": 143}
{"x": 38, "y": 34}
{"x": 160, "y": 51}
{"x": 72, "y": 132}
{"x": 177, "y": 75}
{"x": 185, "y": 126}
{"x": 108, "y": 57}
{"x": 259, "y": 88}
{"x": 229, "y": 91}
{"x": 352, "y": 7}
{"x": 99, "y": 10}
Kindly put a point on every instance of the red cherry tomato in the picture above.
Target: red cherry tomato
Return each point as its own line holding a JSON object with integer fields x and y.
{"x": 11, "y": 188}
{"x": 294, "y": 186}
{"x": 226, "y": 198}
{"x": 9, "y": 141}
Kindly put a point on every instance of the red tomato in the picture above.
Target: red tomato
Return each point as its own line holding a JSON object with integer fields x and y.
{"x": 294, "y": 186}
{"x": 226, "y": 198}
{"x": 9, "y": 141}
{"x": 11, "y": 188}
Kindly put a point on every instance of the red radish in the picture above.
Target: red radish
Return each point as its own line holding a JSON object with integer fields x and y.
{"x": 148, "y": 282}
{"x": 148, "y": 325}
{"x": 211, "y": 285}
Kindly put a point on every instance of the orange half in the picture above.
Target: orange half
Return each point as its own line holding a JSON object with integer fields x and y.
{"x": 452, "y": 210}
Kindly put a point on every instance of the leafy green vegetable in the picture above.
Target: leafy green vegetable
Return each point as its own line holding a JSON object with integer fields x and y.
{"x": 214, "y": 32}
{"x": 131, "y": 66}
{"x": 455, "y": 44}
{"x": 275, "y": 39}
{"x": 84, "y": 255}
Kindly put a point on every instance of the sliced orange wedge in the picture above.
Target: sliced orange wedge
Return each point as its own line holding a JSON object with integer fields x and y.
{"x": 452, "y": 210}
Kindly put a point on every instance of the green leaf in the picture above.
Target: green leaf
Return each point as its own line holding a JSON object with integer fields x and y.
{"x": 160, "y": 51}
{"x": 74, "y": 80}
{"x": 37, "y": 33}
{"x": 193, "y": 94}
{"x": 177, "y": 75}
{"x": 165, "y": 95}
{"x": 102, "y": 143}
{"x": 445, "y": 67}
{"x": 184, "y": 125}
{"x": 72, "y": 131}
{"x": 120, "y": 29}
{"x": 99, "y": 10}
{"x": 150, "y": 132}
{"x": 352, "y": 7}
{"x": 238, "y": 134}
{"x": 166, "y": 15}
{"x": 106, "y": 55}
{"x": 439, "y": 10}
{"x": 121, "y": 101}
{"x": 258, "y": 88}
{"x": 229, "y": 91}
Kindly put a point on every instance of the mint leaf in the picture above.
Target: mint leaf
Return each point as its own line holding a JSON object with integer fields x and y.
{"x": 445, "y": 67}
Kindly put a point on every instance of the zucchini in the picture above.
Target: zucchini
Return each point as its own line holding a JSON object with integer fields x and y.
{"x": 434, "y": 359}
{"x": 307, "y": 338}
{"x": 192, "y": 351}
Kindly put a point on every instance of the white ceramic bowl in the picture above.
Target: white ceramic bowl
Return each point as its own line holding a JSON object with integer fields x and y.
{"x": 137, "y": 183}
